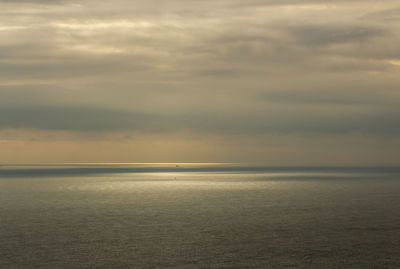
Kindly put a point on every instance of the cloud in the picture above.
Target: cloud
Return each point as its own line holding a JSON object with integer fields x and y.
{"x": 294, "y": 120}
{"x": 322, "y": 35}
{"x": 236, "y": 67}
{"x": 387, "y": 15}
{"x": 47, "y": 2}
{"x": 326, "y": 96}
{"x": 71, "y": 118}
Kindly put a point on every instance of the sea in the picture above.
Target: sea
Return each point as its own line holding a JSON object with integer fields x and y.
{"x": 198, "y": 216}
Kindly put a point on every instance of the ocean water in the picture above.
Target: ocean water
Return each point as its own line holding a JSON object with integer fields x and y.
{"x": 106, "y": 217}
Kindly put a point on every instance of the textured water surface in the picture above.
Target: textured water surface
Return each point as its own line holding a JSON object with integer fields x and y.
{"x": 292, "y": 219}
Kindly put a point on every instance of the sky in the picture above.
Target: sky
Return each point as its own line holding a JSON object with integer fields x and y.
{"x": 277, "y": 82}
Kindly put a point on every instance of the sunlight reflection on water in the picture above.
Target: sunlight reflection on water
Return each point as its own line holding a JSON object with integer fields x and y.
{"x": 192, "y": 220}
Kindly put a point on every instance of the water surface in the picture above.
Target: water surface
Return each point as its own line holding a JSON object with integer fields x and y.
{"x": 279, "y": 218}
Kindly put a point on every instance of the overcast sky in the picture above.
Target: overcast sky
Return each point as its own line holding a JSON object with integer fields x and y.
{"x": 279, "y": 82}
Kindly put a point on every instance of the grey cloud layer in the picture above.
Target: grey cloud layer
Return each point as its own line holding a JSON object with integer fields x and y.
{"x": 71, "y": 118}
{"x": 211, "y": 66}
{"x": 299, "y": 120}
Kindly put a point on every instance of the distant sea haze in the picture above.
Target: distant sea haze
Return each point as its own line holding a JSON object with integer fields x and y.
{"x": 199, "y": 216}
{"x": 38, "y": 170}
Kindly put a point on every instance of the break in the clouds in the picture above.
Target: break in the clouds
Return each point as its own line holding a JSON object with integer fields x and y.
{"x": 223, "y": 70}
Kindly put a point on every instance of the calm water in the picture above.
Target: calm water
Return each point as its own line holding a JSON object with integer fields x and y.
{"x": 279, "y": 219}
